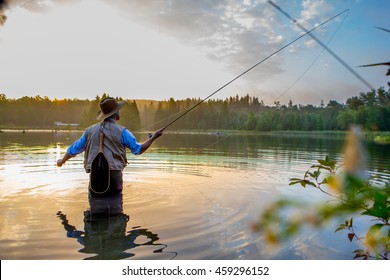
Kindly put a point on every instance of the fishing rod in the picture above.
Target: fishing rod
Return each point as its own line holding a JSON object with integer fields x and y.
{"x": 251, "y": 68}
{"x": 323, "y": 45}
{"x": 314, "y": 61}
{"x": 286, "y": 90}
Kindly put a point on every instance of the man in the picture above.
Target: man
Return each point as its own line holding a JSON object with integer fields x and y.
{"x": 116, "y": 139}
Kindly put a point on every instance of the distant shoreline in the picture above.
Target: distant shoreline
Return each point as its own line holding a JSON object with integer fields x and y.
{"x": 35, "y": 130}
{"x": 368, "y": 135}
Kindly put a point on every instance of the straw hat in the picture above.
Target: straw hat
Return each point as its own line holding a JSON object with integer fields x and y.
{"x": 108, "y": 107}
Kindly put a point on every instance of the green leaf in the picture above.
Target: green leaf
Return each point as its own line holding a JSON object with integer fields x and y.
{"x": 306, "y": 182}
{"x": 293, "y": 183}
{"x": 332, "y": 164}
{"x": 349, "y": 223}
{"x": 323, "y": 162}
{"x": 312, "y": 184}
{"x": 380, "y": 209}
{"x": 341, "y": 227}
{"x": 327, "y": 162}
{"x": 315, "y": 174}
{"x": 360, "y": 254}
{"x": 375, "y": 228}
{"x": 322, "y": 167}
{"x": 325, "y": 181}
{"x": 295, "y": 179}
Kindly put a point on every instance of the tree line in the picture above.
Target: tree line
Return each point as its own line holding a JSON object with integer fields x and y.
{"x": 371, "y": 110}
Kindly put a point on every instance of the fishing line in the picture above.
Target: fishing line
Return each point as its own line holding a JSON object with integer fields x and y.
{"x": 160, "y": 121}
{"x": 314, "y": 61}
{"x": 323, "y": 45}
{"x": 240, "y": 75}
{"x": 220, "y": 140}
{"x": 285, "y": 91}
{"x": 252, "y": 67}
{"x": 182, "y": 114}
{"x": 384, "y": 29}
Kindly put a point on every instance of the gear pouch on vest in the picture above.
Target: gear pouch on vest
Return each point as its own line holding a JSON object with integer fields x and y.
{"x": 100, "y": 171}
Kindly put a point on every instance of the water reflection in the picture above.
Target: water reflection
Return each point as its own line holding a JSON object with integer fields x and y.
{"x": 200, "y": 201}
{"x": 104, "y": 235}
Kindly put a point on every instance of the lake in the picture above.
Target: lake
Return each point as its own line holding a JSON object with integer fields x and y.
{"x": 191, "y": 196}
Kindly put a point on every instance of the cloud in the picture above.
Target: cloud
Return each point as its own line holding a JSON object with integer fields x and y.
{"x": 235, "y": 33}
{"x": 313, "y": 12}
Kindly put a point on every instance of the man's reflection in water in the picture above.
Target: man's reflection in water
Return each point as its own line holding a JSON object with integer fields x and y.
{"x": 105, "y": 231}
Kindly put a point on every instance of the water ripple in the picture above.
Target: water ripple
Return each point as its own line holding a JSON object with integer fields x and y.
{"x": 193, "y": 203}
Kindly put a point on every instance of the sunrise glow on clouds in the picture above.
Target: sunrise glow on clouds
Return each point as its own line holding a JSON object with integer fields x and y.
{"x": 162, "y": 49}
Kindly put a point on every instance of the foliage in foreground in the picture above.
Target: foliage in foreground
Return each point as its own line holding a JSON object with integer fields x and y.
{"x": 351, "y": 193}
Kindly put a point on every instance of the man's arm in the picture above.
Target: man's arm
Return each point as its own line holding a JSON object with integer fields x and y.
{"x": 129, "y": 141}
{"x": 148, "y": 143}
{"x": 75, "y": 149}
{"x": 61, "y": 161}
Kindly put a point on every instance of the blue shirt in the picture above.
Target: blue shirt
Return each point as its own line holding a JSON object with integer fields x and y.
{"x": 127, "y": 139}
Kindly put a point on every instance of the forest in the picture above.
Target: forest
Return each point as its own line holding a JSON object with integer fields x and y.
{"x": 371, "y": 110}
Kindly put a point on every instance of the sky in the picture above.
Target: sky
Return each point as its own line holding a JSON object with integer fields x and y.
{"x": 161, "y": 49}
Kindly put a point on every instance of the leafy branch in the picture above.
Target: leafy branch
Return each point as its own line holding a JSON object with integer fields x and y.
{"x": 351, "y": 195}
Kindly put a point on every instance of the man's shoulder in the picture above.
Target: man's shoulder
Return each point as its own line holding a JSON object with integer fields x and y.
{"x": 92, "y": 128}
{"x": 117, "y": 126}
{"x": 121, "y": 127}
{"x": 97, "y": 126}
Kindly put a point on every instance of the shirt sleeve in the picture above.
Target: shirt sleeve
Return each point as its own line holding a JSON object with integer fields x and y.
{"x": 128, "y": 140}
{"x": 78, "y": 146}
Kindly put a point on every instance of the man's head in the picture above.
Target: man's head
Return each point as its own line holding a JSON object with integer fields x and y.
{"x": 109, "y": 107}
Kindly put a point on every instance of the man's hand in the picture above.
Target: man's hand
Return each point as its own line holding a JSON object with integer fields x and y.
{"x": 149, "y": 142}
{"x": 61, "y": 161}
{"x": 157, "y": 134}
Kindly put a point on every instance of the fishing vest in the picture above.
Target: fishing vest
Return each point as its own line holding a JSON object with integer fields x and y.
{"x": 113, "y": 149}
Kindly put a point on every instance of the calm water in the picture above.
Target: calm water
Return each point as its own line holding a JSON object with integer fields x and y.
{"x": 180, "y": 200}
